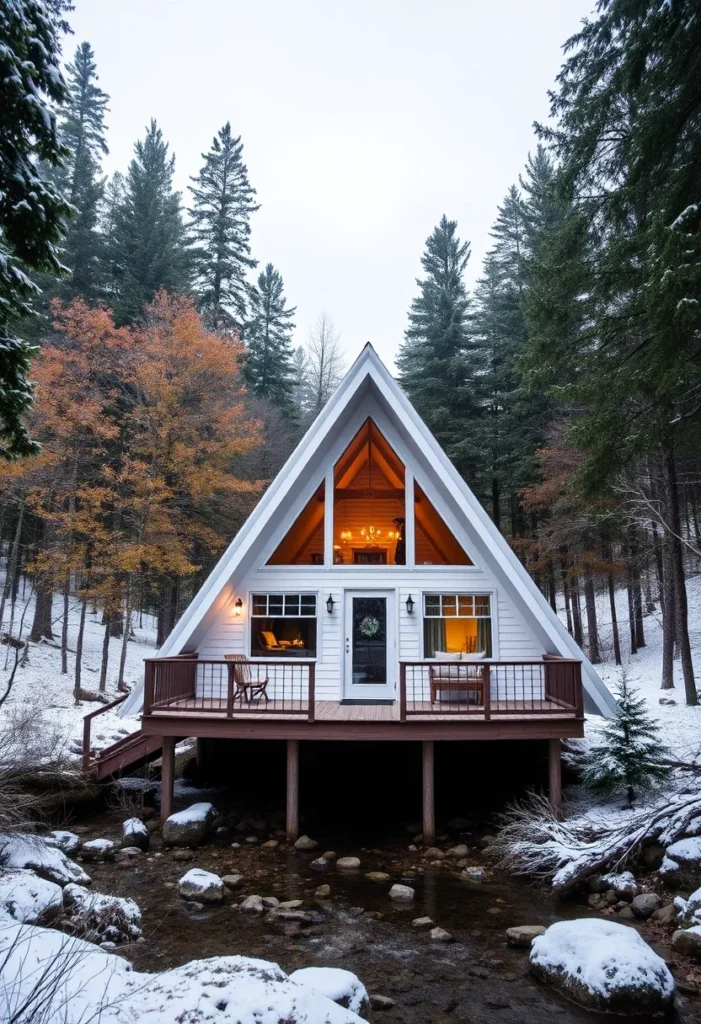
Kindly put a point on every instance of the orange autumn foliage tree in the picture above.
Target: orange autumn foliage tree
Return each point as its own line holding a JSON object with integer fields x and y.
{"x": 136, "y": 488}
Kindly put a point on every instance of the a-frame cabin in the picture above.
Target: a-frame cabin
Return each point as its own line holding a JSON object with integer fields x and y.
{"x": 368, "y": 597}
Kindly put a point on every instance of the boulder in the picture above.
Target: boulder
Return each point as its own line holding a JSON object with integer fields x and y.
{"x": 348, "y": 863}
{"x": 665, "y": 915}
{"x": 28, "y": 898}
{"x": 135, "y": 833}
{"x": 270, "y": 844}
{"x": 458, "y": 852}
{"x": 27, "y": 851}
{"x": 401, "y": 893}
{"x": 233, "y": 881}
{"x": 204, "y": 886}
{"x": 433, "y": 853}
{"x": 189, "y": 827}
{"x": 378, "y": 1002}
{"x": 69, "y": 842}
{"x": 320, "y": 863}
{"x": 422, "y": 922}
{"x": 329, "y": 855}
{"x": 252, "y": 905}
{"x": 305, "y": 843}
{"x": 604, "y": 966}
{"x": 687, "y": 941}
{"x": 101, "y": 918}
{"x": 623, "y": 884}
{"x": 440, "y": 935}
{"x": 521, "y": 936}
{"x": 323, "y": 892}
{"x": 271, "y": 902}
{"x": 183, "y": 855}
{"x": 646, "y": 904}
{"x": 377, "y": 876}
{"x": 98, "y": 851}
{"x": 681, "y": 866}
{"x": 341, "y": 986}
{"x": 127, "y": 854}
{"x": 472, "y": 874}
{"x": 291, "y": 904}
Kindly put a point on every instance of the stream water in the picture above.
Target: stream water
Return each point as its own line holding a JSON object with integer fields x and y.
{"x": 475, "y": 978}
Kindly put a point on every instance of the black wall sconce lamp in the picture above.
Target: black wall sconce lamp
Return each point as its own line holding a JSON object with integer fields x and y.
{"x": 238, "y": 607}
{"x": 329, "y": 604}
{"x": 410, "y": 605}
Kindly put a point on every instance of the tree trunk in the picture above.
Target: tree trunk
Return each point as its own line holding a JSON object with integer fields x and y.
{"x": 496, "y": 511}
{"x": 125, "y": 640}
{"x": 659, "y": 566}
{"x": 41, "y": 626}
{"x": 12, "y": 561}
{"x": 592, "y": 625}
{"x": 669, "y": 618}
{"x": 639, "y": 623}
{"x": 566, "y": 593}
{"x": 64, "y": 629}
{"x": 552, "y": 587}
{"x": 614, "y": 622}
{"x": 677, "y": 562}
{"x": 79, "y": 651}
{"x": 105, "y": 656}
{"x": 631, "y": 616}
{"x": 577, "y": 615}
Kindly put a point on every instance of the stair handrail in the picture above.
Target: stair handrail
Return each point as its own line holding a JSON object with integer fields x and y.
{"x": 87, "y": 722}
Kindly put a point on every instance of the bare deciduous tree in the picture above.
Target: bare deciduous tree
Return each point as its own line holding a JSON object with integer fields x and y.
{"x": 325, "y": 364}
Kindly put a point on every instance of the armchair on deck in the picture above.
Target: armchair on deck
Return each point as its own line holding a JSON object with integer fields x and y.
{"x": 244, "y": 686}
{"x": 455, "y": 677}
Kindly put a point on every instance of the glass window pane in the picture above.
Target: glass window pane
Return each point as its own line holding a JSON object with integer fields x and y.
{"x": 432, "y": 604}
{"x": 283, "y": 637}
{"x": 291, "y": 604}
{"x": 308, "y": 604}
{"x": 465, "y": 605}
{"x": 304, "y": 541}
{"x": 482, "y": 605}
{"x": 449, "y": 604}
{"x": 275, "y": 604}
{"x": 260, "y": 604}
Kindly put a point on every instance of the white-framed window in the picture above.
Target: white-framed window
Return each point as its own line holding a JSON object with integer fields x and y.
{"x": 283, "y": 625}
{"x": 457, "y": 624}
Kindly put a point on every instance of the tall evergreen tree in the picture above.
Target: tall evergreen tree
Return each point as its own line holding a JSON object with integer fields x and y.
{"x": 437, "y": 369}
{"x": 269, "y": 368}
{"x": 223, "y": 201}
{"x": 149, "y": 244}
{"x": 82, "y": 130}
{"x": 32, "y": 211}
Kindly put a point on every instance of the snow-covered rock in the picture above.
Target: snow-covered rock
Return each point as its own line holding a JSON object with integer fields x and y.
{"x": 82, "y": 978}
{"x": 681, "y": 865}
{"x": 27, "y": 851}
{"x": 687, "y": 941}
{"x": 343, "y": 987}
{"x": 98, "y": 850}
{"x": 204, "y": 886}
{"x": 101, "y": 918}
{"x": 135, "y": 833}
{"x": 189, "y": 827}
{"x": 689, "y": 911}
{"x": 28, "y": 898}
{"x": 604, "y": 966}
{"x": 69, "y": 842}
{"x": 623, "y": 884}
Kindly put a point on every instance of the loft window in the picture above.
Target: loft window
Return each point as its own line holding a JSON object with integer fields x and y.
{"x": 457, "y": 624}
{"x": 283, "y": 625}
{"x": 369, "y": 502}
{"x": 434, "y": 542}
{"x": 303, "y": 544}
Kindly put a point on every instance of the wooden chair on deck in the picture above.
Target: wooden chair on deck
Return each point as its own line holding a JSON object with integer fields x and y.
{"x": 244, "y": 686}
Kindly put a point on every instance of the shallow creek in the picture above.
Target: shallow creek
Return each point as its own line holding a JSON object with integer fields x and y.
{"x": 476, "y": 978}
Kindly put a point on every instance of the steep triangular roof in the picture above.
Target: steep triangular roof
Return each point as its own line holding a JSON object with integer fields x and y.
{"x": 368, "y": 378}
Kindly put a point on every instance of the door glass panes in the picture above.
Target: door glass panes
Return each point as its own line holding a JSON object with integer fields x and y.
{"x": 303, "y": 543}
{"x": 434, "y": 542}
{"x": 369, "y": 640}
{"x": 369, "y": 511}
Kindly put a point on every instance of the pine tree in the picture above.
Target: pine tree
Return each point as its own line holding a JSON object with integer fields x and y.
{"x": 148, "y": 249}
{"x": 223, "y": 201}
{"x": 32, "y": 212}
{"x": 631, "y": 757}
{"x": 269, "y": 370}
{"x": 436, "y": 366}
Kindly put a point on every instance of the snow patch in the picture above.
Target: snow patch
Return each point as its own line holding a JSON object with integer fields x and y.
{"x": 343, "y": 987}
{"x": 26, "y": 851}
{"x": 28, "y": 898}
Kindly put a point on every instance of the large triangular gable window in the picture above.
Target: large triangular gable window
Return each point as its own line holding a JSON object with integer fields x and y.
{"x": 435, "y": 543}
{"x": 303, "y": 544}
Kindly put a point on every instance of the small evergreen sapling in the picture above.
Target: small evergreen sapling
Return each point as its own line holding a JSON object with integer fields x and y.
{"x": 631, "y": 755}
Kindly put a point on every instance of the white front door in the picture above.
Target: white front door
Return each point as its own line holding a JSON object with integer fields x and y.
{"x": 370, "y": 646}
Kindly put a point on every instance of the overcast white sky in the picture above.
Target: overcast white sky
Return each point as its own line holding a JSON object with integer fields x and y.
{"x": 363, "y": 121}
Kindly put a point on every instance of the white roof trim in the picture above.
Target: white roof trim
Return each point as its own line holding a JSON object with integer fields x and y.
{"x": 529, "y": 602}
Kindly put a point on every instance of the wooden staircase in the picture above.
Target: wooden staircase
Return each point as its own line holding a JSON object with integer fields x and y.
{"x": 130, "y": 752}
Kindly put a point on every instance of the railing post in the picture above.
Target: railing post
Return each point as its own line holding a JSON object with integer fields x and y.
{"x": 86, "y": 743}
{"x": 578, "y": 691}
{"x": 312, "y": 689}
{"x": 487, "y": 693}
{"x": 149, "y": 670}
{"x": 230, "y": 669}
{"x": 402, "y": 692}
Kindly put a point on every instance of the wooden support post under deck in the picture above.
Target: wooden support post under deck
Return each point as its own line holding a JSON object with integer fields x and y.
{"x": 429, "y": 814}
{"x": 292, "y": 813}
{"x": 167, "y": 775}
{"x": 555, "y": 777}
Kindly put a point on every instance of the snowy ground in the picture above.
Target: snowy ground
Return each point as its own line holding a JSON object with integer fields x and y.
{"x": 40, "y": 690}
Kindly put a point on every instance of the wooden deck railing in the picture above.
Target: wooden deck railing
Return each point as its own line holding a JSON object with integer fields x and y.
{"x": 87, "y": 723}
{"x": 210, "y": 686}
{"x": 552, "y": 686}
